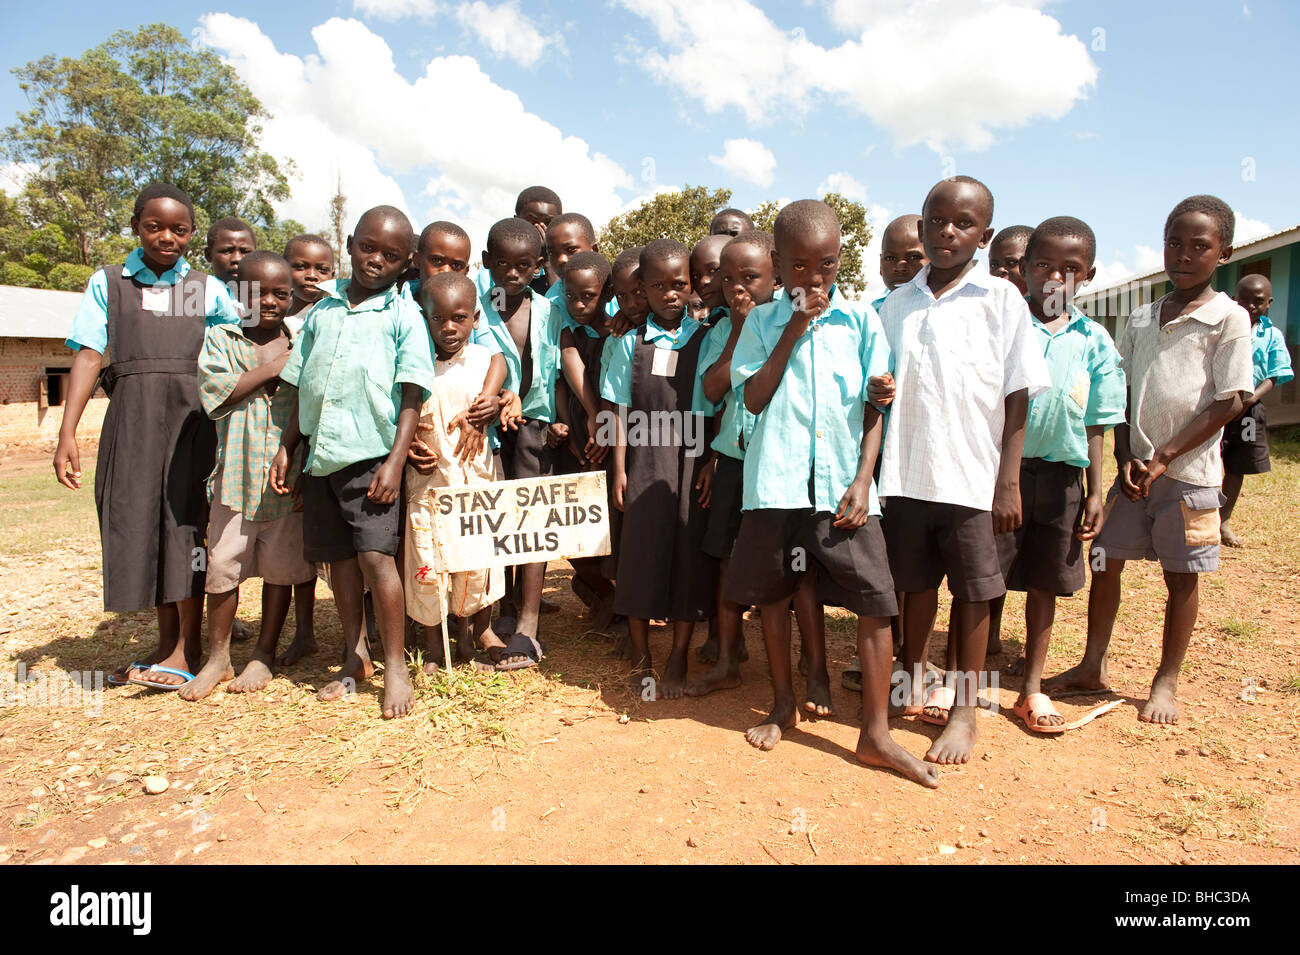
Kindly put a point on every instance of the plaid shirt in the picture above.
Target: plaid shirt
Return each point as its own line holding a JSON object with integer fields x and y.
{"x": 248, "y": 433}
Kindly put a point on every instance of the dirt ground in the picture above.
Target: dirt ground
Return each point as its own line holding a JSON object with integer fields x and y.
{"x": 565, "y": 765}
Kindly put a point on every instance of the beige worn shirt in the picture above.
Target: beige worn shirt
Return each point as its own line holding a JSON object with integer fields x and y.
{"x": 1176, "y": 372}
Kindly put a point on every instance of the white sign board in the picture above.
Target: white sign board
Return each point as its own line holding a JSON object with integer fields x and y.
{"x": 522, "y": 522}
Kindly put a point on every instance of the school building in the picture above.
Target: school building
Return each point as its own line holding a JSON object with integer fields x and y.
{"x": 1276, "y": 257}
{"x": 34, "y": 368}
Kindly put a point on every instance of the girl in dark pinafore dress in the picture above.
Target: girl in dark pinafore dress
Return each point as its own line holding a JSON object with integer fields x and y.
{"x": 157, "y": 447}
{"x": 663, "y": 572}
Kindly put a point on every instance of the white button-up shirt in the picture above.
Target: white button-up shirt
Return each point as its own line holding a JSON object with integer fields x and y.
{"x": 956, "y": 358}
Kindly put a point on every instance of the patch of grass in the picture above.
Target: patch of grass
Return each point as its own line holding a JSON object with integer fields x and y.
{"x": 36, "y": 511}
{"x": 1291, "y": 684}
{"x": 1240, "y": 629}
{"x": 1177, "y": 780}
{"x": 841, "y": 622}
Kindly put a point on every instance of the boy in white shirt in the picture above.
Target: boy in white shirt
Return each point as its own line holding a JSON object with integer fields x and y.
{"x": 965, "y": 366}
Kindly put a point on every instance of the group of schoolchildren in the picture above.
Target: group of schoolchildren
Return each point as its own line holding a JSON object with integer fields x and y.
{"x": 275, "y": 421}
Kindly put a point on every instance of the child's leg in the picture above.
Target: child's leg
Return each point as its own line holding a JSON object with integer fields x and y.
{"x": 179, "y": 644}
{"x": 1231, "y": 490}
{"x": 1181, "y": 608}
{"x": 642, "y": 666}
{"x": 587, "y": 571}
{"x": 484, "y": 636}
{"x": 1040, "y": 612}
{"x": 918, "y": 611}
{"x": 221, "y": 616}
{"x": 257, "y": 671}
{"x": 812, "y": 634}
{"x": 875, "y": 746}
{"x": 725, "y": 672}
{"x": 304, "y": 635}
{"x": 785, "y": 714}
{"x": 674, "y": 682}
{"x": 347, "y": 584}
{"x": 1089, "y": 675}
{"x": 380, "y": 573}
{"x": 957, "y": 740}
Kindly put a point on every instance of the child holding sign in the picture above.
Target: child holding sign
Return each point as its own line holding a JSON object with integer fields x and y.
{"x": 461, "y": 457}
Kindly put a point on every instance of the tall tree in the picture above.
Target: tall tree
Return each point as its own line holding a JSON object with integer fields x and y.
{"x": 143, "y": 105}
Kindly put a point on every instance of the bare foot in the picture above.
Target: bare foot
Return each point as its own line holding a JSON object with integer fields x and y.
{"x": 303, "y": 645}
{"x": 783, "y": 718}
{"x": 708, "y": 651}
{"x": 602, "y": 614}
{"x": 817, "y": 695}
{"x": 1081, "y": 680}
{"x": 673, "y": 684}
{"x": 255, "y": 675}
{"x": 124, "y": 673}
{"x": 1017, "y": 667}
{"x": 720, "y": 677}
{"x": 399, "y": 695}
{"x": 206, "y": 680}
{"x": 240, "y": 631}
{"x": 1228, "y": 538}
{"x": 904, "y": 698}
{"x": 1161, "y": 706}
{"x": 957, "y": 740}
{"x": 347, "y": 681}
{"x": 644, "y": 682}
{"x": 886, "y": 754}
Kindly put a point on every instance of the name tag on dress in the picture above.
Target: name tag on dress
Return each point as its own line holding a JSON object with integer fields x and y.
{"x": 665, "y": 363}
{"x": 156, "y": 300}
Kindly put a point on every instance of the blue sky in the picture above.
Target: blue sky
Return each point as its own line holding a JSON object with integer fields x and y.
{"x": 1111, "y": 111}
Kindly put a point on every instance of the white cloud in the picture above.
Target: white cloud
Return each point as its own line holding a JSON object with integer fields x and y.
{"x": 397, "y": 9}
{"x": 845, "y": 185}
{"x": 1249, "y": 229}
{"x": 978, "y": 56}
{"x": 507, "y": 31}
{"x": 1108, "y": 273}
{"x": 14, "y": 176}
{"x": 348, "y": 105}
{"x": 1149, "y": 259}
{"x": 747, "y": 158}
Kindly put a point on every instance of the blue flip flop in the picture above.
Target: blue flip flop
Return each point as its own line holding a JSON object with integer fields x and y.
{"x": 131, "y": 668}
{"x": 163, "y": 686}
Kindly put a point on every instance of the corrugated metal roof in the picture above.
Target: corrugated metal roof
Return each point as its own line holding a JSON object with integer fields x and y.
{"x": 36, "y": 312}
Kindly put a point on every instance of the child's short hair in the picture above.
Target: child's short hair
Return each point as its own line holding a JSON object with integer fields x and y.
{"x": 732, "y": 212}
{"x": 444, "y": 282}
{"x": 762, "y": 241}
{"x": 518, "y": 230}
{"x": 387, "y": 214}
{"x": 1214, "y": 207}
{"x": 441, "y": 228}
{"x": 574, "y": 218}
{"x": 228, "y": 224}
{"x": 1014, "y": 233}
{"x": 804, "y": 217}
{"x": 970, "y": 181}
{"x": 662, "y": 250}
{"x": 1064, "y": 227}
{"x": 591, "y": 262}
{"x": 162, "y": 190}
{"x": 628, "y": 258}
{"x": 537, "y": 194}
{"x": 262, "y": 257}
{"x": 308, "y": 238}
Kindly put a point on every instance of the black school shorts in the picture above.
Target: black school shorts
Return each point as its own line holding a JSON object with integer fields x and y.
{"x": 339, "y": 521}
{"x": 928, "y": 540}
{"x": 724, "y": 508}
{"x": 776, "y": 547}
{"x": 1043, "y": 552}
{"x": 1245, "y": 443}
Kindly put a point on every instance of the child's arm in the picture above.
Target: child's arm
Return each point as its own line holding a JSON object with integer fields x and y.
{"x": 716, "y": 381}
{"x": 1006, "y": 494}
{"x": 762, "y": 385}
{"x": 558, "y": 431}
{"x": 575, "y": 376}
{"x": 387, "y": 482}
{"x": 855, "y": 505}
{"x": 1264, "y": 388}
{"x": 288, "y": 444}
{"x": 620, "y": 460}
{"x": 81, "y": 385}
{"x": 1091, "y": 517}
{"x": 484, "y": 408}
{"x": 254, "y": 379}
{"x": 1203, "y": 427}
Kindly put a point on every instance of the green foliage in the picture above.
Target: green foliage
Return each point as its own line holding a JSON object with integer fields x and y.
{"x": 69, "y": 277}
{"x": 142, "y": 106}
{"x": 12, "y": 273}
{"x": 685, "y": 215}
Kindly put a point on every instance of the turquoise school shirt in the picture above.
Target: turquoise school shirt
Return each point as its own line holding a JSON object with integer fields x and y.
{"x": 1088, "y": 389}
{"x": 736, "y": 425}
{"x": 1271, "y": 358}
{"x": 543, "y": 340}
{"x": 616, "y": 361}
{"x": 90, "y": 324}
{"x": 813, "y": 424}
{"x": 349, "y": 365}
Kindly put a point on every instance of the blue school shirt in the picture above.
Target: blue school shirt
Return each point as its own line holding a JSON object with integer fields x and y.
{"x": 543, "y": 340}
{"x": 90, "y": 324}
{"x": 875, "y": 306}
{"x": 616, "y": 361}
{"x": 1088, "y": 389}
{"x": 349, "y": 365}
{"x": 813, "y": 424}
{"x": 1271, "y": 358}
{"x": 736, "y": 425}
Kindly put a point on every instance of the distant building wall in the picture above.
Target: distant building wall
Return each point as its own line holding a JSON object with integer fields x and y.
{"x": 31, "y": 400}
